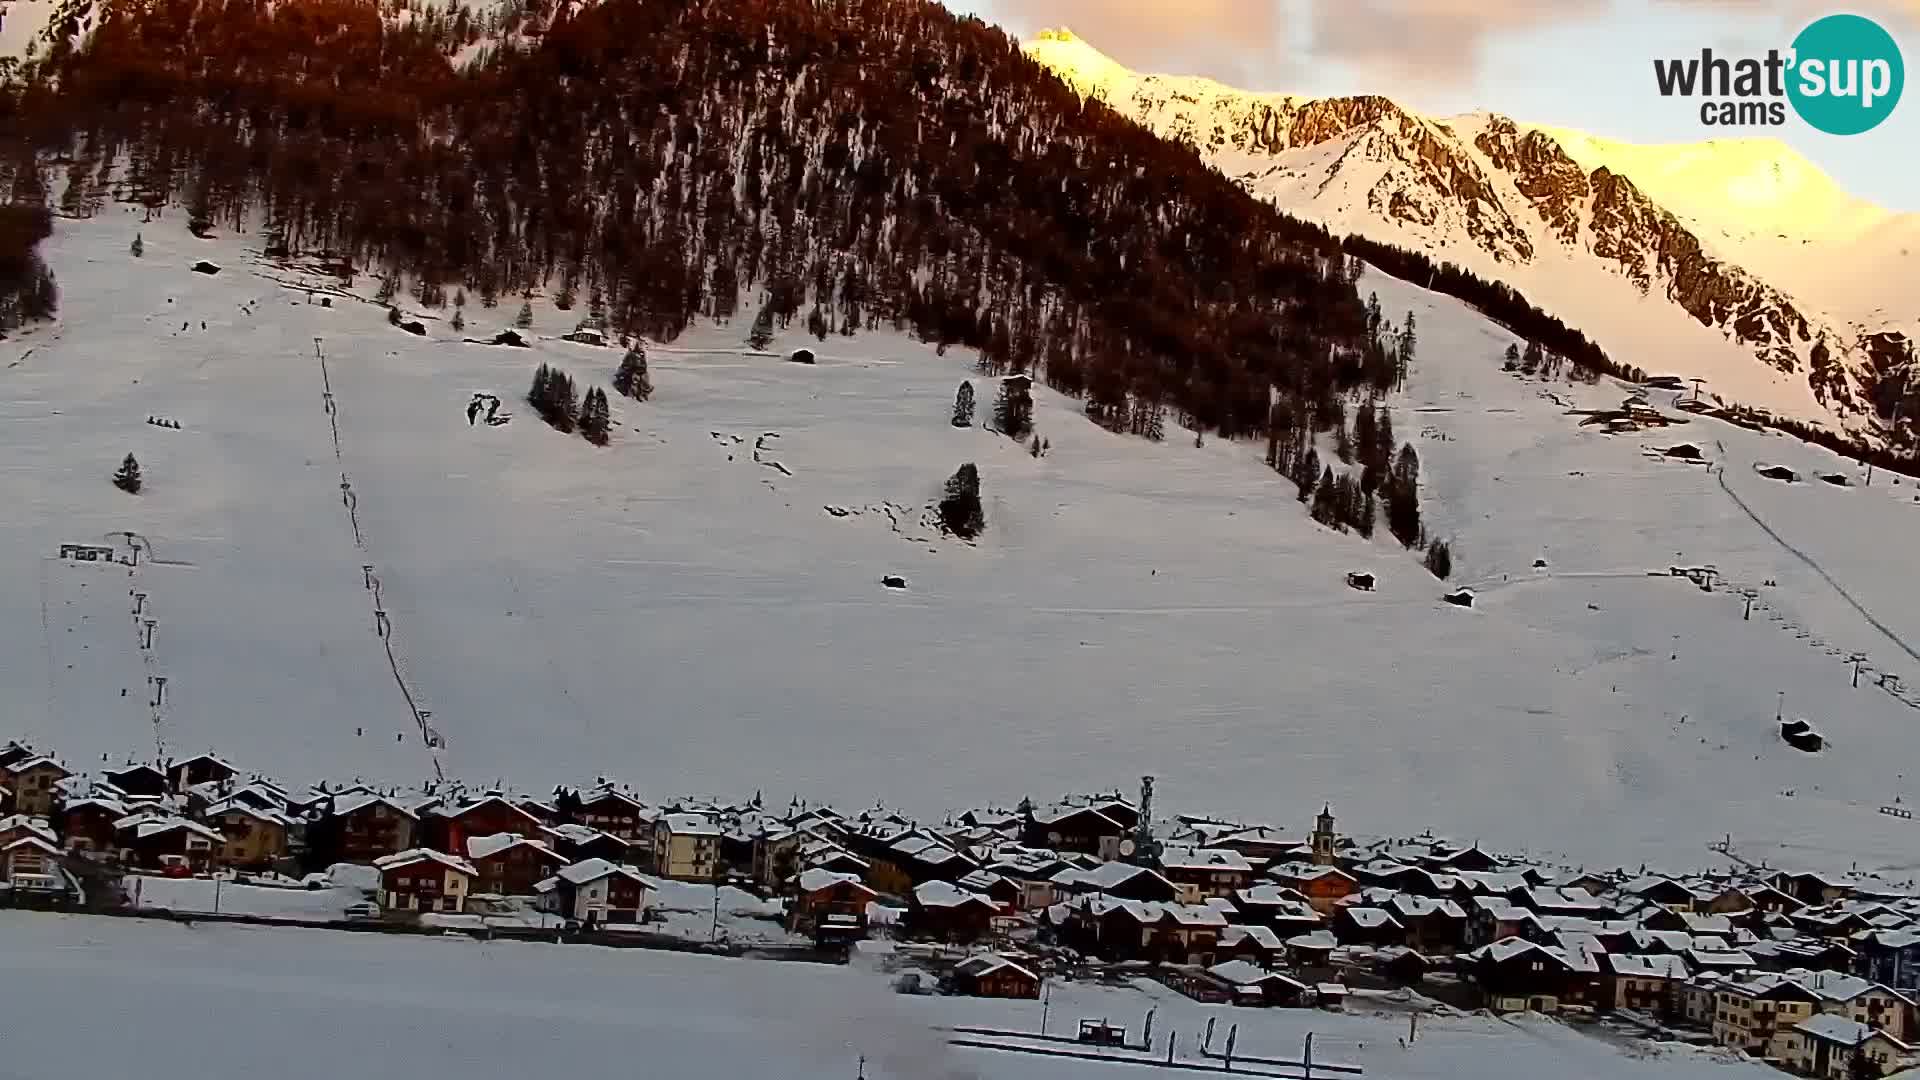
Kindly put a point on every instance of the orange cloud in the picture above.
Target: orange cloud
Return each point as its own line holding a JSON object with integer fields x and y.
{"x": 1428, "y": 41}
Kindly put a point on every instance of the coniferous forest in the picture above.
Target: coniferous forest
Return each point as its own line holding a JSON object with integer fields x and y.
{"x": 850, "y": 164}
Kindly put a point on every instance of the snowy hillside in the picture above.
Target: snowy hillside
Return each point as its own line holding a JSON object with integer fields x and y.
{"x": 1635, "y": 246}
{"x": 698, "y": 606}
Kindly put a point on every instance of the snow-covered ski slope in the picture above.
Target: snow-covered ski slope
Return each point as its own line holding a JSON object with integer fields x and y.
{"x": 680, "y": 611}
{"x": 428, "y": 1006}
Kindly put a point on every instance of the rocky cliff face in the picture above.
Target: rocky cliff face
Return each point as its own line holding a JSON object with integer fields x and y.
{"x": 1504, "y": 199}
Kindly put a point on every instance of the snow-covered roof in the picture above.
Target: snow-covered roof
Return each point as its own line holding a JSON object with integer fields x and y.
{"x": 1204, "y": 859}
{"x": 1640, "y": 965}
{"x": 353, "y": 802}
{"x": 34, "y": 825}
{"x": 149, "y": 824}
{"x": 231, "y": 806}
{"x": 33, "y": 763}
{"x": 945, "y": 894}
{"x": 1318, "y": 939}
{"x": 1302, "y": 871}
{"x": 1370, "y": 918}
{"x": 690, "y": 825}
{"x": 1708, "y": 924}
{"x": 1195, "y": 916}
{"x": 480, "y": 847}
{"x": 1408, "y": 906}
{"x": 1829, "y": 1027}
{"x": 1247, "y": 973}
{"x": 987, "y": 964}
{"x": 815, "y": 880}
{"x": 1502, "y": 950}
{"x": 37, "y": 843}
{"x": 587, "y": 870}
{"x": 584, "y": 834}
{"x": 487, "y": 801}
{"x": 1261, "y": 937}
{"x": 414, "y": 856}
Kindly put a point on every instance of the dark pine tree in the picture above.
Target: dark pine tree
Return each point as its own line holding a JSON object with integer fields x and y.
{"x": 595, "y": 418}
{"x": 1403, "y": 498}
{"x": 139, "y": 247}
{"x": 1306, "y": 472}
{"x": 632, "y": 379}
{"x": 1440, "y": 559}
{"x": 1513, "y": 358}
{"x": 1326, "y": 500}
{"x": 963, "y": 405}
{"x": 128, "y": 478}
{"x": 1013, "y": 412}
{"x": 960, "y": 511}
{"x": 524, "y": 320}
{"x": 761, "y": 335}
{"x": 537, "y": 393}
{"x": 563, "y": 403}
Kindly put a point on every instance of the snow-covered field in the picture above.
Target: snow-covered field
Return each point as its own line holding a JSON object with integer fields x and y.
{"x": 674, "y": 613}
{"x": 205, "y": 894}
{"x": 235, "y": 1001}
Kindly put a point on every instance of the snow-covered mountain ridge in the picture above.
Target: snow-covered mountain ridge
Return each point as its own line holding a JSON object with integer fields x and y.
{"x": 1566, "y": 220}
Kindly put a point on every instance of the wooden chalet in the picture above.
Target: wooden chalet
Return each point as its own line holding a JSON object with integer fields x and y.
{"x": 422, "y": 879}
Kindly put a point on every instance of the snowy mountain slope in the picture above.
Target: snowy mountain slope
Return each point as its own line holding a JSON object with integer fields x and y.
{"x": 686, "y": 613}
{"x": 1577, "y": 225}
{"x": 1762, "y": 205}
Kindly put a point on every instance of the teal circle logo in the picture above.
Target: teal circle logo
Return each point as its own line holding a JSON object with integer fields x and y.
{"x": 1847, "y": 74}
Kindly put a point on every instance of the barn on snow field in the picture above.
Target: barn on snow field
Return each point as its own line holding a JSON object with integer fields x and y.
{"x": 205, "y": 267}
{"x": 802, "y": 356}
{"x": 1363, "y": 582}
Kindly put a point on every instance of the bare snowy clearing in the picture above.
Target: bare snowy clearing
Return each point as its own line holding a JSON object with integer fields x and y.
{"x": 670, "y": 611}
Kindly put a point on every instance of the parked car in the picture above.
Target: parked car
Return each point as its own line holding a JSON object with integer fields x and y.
{"x": 363, "y": 911}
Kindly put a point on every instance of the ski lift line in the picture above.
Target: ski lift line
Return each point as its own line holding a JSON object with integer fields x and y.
{"x": 383, "y": 621}
{"x": 1885, "y": 631}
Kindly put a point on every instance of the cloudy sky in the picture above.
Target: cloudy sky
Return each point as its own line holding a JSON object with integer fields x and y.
{"x": 1585, "y": 64}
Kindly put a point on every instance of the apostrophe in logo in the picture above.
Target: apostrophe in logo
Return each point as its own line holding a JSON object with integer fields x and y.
{"x": 1843, "y": 75}
{"x": 1847, "y": 75}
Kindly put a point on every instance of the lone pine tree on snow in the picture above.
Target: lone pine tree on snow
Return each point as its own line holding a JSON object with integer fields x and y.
{"x": 524, "y": 320}
{"x": 632, "y": 380}
{"x": 128, "y": 478}
{"x": 960, "y": 510}
{"x": 594, "y": 417}
{"x": 139, "y": 246}
{"x": 1013, "y": 412}
{"x": 761, "y": 335}
{"x": 963, "y": 406}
